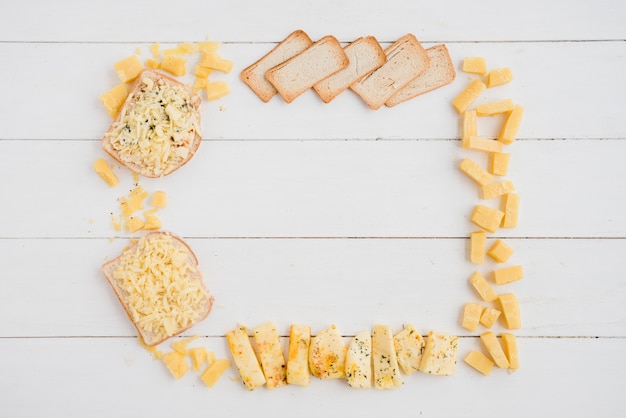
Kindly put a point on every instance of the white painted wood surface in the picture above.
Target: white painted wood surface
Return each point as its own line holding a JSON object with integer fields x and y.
{"x": 316, "y": 213}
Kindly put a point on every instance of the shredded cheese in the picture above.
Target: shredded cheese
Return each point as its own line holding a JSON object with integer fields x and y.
{"x": 157, "y": 130}
{"x": 156, "y": 278}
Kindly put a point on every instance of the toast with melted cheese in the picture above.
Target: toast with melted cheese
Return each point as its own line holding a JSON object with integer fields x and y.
{"x": 157, "y": 130}
{"x": 158, "y": 284}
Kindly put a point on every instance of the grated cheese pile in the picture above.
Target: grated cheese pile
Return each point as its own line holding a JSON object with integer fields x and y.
{"x": 160, "y": 286}
{"x": 157, "y": 131}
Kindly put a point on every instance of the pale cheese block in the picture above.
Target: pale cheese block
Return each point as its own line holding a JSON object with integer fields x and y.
{"x": 270, "y": 354}
{"x": 301, "y": 72}
{"x": 406, "y": 60}
{"x": 439, "y": 73}
{"x": 245, "y": 359}
{"x": 365, "y": 55}
{"x": 254, "y": 75}
{"x": 359, "y": 361}
{"x": 384, "y": 359}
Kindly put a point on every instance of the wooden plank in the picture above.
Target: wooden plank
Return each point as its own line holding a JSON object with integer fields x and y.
{"x": 58, "y": 289}
{"x": 241, "y": 21}
{"x": 318, "y": 189}
{"x": 570, "y": 99}
{"x": 114, "y": 377}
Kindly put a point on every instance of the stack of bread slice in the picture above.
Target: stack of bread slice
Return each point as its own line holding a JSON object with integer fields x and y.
{"x": 379, "y": 76}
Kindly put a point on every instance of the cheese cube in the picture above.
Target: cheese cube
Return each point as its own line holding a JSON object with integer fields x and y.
{"x": 154, "y": 64}
{"x": 159, "y": 199}
{"x": 359, "y": 361}
{"x": 270, "y": 354}
{"x": 198, "y": 357}
{"x": 439, "y": 356}
{"x": 214, "y": 371}
{"x": 245, "y": 359}
{"x": 114, "y": 99}
{"x": 508, "y": 274}
{"x": 486, "y": 217}
{"x": 480, "y": 284}
{"x": 500, "y": 251}
{"x": 510, "y": 207}
{"x": 174, "y": 65}
{"x": 479, "y": 361}
{"x": 494, "y": 348}
{"x": 475, "y": 172}
{"x": 499, "y": 77}
{"x": 508, "y": 133}
{"x": 298, "y": 356}
{"x": 510, "y": 310}
{"x": 128, "y": 69}
{"x": 155, "y": 49}
{"x": 384, "y": 359}
{"x": 471, "y": 316}
{"x": 509, "y": 344}
{"x": 104, "y": 171}
{"x": 493, "y": 190}
{"x": 176, "y": 364}
{"x": 494, "y": 108}
{"x": 216, "y": 90}
{"x": 478, "y": 143}
{"x": 475, "y": 65}
{"x": 489, "y": 317}
{"x": 135, "y": 224}
{"x": 478, "y": 241}
{"x": 469, "y": 127}
{"x": 498, "y": 163}
{"x": 212, "y": 60}
{"x": 468, "y": 95}
{"x": 409, "y": 346}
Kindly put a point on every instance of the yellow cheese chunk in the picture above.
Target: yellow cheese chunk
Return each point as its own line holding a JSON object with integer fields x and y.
{"x": 494, "y": 108}
{"x": 478, "y": 143}
{"x": 176, "y": 364}
{"x": 508, "y": 274}
{"x": 409, "y": 346}
{"x": 384, "y": 359}
{"x": 270, "y": 355}
{"x": 479, "y": 361}
{"x": 500, "y": 251}
{"x": 486, "y": 217}
{"x": 174, "y": 65}
{"x": 510, "y": 310}
{"x": 212, "y": 373}
{"x": 155, "y": 49}
{"x": 114, "y": 99}
{"x": 468, "y": 95}
{"x": 298, "y": 355}
{"x": 493, "y": 190}
{"x": 469, "y": 127}
{"x": 152, "y": 223}
{"x": 475, "y": 65}
{"x": 494, "y": 348}
{"x": 245, "y": 359}
{"x": 508, "y": 133}
{"x": 154, "y": 64}
{"x": 471, "y": 316}
{"x": 478, "y": 240}
{"x": 482, "y": 287}
{"x": 509, "y": 345}
{"x": 489, "y": 317}
{"x": 211, "y": 60}
{"x": 198, "y": 357}
{"x": 510, "y": 208}
{"x": 202, "y": 72}
{"x": 181, "y": 346}
{"x": 104, "y": 171}
{"x": 216, "y": 90}
{"x": 159, "y": 199}
{"x": 135, "y": 224}
{"x": 475, "y": 172}
{"x": 499, "y": 77}
{"x": 498, "y": 163}
{"x": 128, "y": 69}
{"x": 439, "y": 356}
{"x": 200, "y": 83}
{"x": 132, "y": 203}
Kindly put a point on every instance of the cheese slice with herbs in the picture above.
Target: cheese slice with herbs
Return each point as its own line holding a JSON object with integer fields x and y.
{"x": 439, "y": 356}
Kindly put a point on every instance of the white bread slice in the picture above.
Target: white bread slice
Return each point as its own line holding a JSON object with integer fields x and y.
{"x": 406, "y": 60}
{"x": 440, "y": 73}
{"x": 254, "y": 75}
{"x": 298, "y": 74}
{"x": 365, "y": 55}
{"x": 181, "y": 274}
{"x": 162, "y": 151}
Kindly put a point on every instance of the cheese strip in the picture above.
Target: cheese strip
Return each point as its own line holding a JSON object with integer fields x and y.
{"x": 385, "y": 362}
{"x": 508, "y": 133}
{"x": 245, "y": 359}
{"x": 494, "y": 348}
{"x": 475, "y": 172}
{"x": 499, "y": 77}
{"x": 510, "y": 310}
{"x": 494, "y": 108}
{"x": 498, "y": 163}
{"x": 270, "y": 354}
{"x": 510, "y": 209}
{"x": 475, "y": 65}
{"x": 508, "y": 274}
{"x": 409, "y": 347}
{"x": 104, "y": 171}
{"x": 298, "y": 357}
{"x": 486, "y": 217}
{"x": 468, "y": 95}
{"x": 509, "y": 345}
{"x": 469, "y": 127}
{"x": 471, "y": 316}
{"x": 478, "y": 241}
{"x": 359, "y": 361}
{"x": 493, "y": 190}
{"x": 214, "y": 371}
{"x": 479, "y": 361}
{"x": 480, "y": 284}
{"x": 484, "y": 144}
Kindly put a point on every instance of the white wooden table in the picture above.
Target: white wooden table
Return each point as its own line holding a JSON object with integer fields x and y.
{"x": 313, "y": 213}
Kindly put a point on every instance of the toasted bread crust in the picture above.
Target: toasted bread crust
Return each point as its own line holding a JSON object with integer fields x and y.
{"x": 193, "y": 147}
{"x": 148, "y": 338}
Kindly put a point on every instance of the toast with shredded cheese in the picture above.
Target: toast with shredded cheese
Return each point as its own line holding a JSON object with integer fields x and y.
{"x": 158, "y": 284}
{"x": 157, "y": 130}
